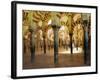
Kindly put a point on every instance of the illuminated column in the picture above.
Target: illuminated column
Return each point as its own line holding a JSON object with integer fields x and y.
{"x": 70, "y": 30}
{"x": 42, "y": 25}
{"x": 32, "y": 42}
{"x": 44, "y": 38}
{"x": 44, "y": 41}
{"x": 64, "y": 20}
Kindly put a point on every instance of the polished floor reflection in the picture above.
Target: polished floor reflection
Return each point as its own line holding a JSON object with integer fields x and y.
{"x": 65, "y": 59}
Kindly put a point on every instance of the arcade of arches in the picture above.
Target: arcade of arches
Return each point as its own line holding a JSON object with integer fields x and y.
{"x": 56, "y": 39}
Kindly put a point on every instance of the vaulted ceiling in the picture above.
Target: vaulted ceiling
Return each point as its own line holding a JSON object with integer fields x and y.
{"x": 40, "y": 17}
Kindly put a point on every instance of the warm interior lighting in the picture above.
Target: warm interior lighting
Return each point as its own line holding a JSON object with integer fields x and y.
{"x": 49, "y": 22}
{"x": 40, "y": 23}
{"x": 75, "y": 51}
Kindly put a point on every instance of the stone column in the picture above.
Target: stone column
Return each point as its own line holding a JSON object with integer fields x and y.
{"x": 56, "y": 43}
{"x": 86, "y": 25}
{"x": 32, "y": 47}
{"x": 85, "y": 43}
{"x": 32, "y": 42}
{"x": 71, "y": 48}
{"x": 55, "y": 23}
{"x": 44, "y": 41}
{"x": 70, "y": 31}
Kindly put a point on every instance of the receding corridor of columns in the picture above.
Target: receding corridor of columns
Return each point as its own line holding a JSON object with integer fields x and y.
{"x": 56, "y": 39}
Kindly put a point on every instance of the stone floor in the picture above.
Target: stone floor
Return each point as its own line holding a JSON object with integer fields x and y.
{"x": 65, "y": 59}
